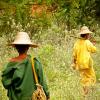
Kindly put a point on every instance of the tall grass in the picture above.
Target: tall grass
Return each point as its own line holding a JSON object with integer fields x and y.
{"x": 55, "y": 53}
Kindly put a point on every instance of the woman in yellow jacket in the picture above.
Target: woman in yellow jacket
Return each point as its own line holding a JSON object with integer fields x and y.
{"x": 82, "y": 59}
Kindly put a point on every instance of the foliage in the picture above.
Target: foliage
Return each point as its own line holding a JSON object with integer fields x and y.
{"x": 52, "y": 31}
{"x": 68, "y": 13}
{"x": 55, "y": 53}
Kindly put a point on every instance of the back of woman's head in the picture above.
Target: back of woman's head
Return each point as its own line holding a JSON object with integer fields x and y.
{"x": 85, "y": 36}
{"x": 22, "y": 48}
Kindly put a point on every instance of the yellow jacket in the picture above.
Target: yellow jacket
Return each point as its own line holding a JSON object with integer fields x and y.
{"x": 82, "y": 50}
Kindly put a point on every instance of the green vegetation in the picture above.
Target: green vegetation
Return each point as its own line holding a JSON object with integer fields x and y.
{"x": 52, "y": 32}
{"x": 55, "y": 54}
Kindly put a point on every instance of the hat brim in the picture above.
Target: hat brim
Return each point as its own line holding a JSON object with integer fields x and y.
{"x": 31, "y": 45}
{"x": 89, "y": 32}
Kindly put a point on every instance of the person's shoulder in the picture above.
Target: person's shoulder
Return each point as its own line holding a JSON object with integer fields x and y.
{"x": 12, "y": 60}
{"x": 9, "y": 65}
{"x": 17, "y": 59}
{"x": 76, "y": 42}
{"x": 88, "y": 42}
{"x": 36, "y": 59}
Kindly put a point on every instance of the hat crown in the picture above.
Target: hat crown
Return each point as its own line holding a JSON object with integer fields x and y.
{"x": 22, "y": 38}
{"x": 84, "y": 28}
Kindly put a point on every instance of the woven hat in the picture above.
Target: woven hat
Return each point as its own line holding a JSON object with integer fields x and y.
{"x": 85, "y": 30}
{"x": 22, "y": 38}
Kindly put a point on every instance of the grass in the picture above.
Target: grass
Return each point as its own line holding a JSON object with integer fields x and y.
{"x": 63, "y": 82}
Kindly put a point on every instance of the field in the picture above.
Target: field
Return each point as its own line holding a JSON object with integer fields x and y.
{"x": 54, "y": 25}
{"x": 63, "y": 81}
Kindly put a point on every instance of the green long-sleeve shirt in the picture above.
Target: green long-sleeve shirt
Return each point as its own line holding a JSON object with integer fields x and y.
{"x": 18, "y": 79}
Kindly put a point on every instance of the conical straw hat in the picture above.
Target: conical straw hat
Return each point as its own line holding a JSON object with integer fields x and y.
{"x": 22, "y": 38}
{"x": 85, "y": 30}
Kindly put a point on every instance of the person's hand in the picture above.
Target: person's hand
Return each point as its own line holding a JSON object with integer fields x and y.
{"x": 93, "y": 42}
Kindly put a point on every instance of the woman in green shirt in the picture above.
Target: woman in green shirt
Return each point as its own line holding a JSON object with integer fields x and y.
{"x": 18, "y": 76}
